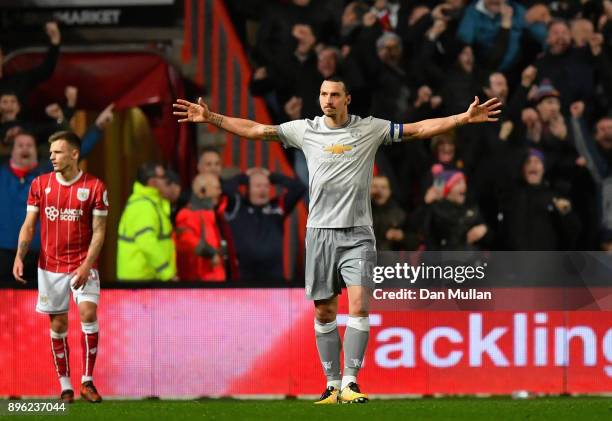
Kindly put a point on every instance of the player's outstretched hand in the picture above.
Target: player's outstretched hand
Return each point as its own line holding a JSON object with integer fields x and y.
{"x": 18, "y": 271}
{"x": 190, "y": 111}
{"x": 480, "y": 113}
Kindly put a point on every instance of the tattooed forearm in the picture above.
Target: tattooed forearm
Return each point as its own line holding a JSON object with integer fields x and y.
{"x": 97, "y": 240}
{"x": 26, "y": 234}
{"x": 22, "y": 250}
{"x": 215, "y": 119}
{"x": 270, "y": 133}
{"x": 248, "y": 129}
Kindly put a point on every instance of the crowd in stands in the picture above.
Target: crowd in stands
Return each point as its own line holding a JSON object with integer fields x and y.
{"x": 538, "y": 179}
{"x": 535, "y": 180}
{"x": 224, "y": 228}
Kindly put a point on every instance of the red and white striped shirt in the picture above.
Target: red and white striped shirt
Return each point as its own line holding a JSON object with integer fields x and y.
{"x": 66, "y": 212}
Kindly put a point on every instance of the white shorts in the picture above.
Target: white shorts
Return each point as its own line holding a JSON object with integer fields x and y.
{"x": 54, "y": 291}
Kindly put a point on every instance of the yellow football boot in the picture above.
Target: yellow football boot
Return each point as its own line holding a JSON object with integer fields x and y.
{"x": 329, "y": 396}
{"x": 352, "y": 394}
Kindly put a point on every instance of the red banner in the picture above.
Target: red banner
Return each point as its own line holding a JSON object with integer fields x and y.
{"x": 196, "y": 342}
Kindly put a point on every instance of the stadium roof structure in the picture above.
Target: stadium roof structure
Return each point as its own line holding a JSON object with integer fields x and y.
{"x": 128, "y": 76}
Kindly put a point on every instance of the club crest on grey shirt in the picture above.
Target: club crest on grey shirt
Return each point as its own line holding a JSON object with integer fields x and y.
{"x": 340, "y": 165}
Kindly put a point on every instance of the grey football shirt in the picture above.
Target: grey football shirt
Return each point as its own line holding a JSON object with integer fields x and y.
{"x": 340, "y": 164}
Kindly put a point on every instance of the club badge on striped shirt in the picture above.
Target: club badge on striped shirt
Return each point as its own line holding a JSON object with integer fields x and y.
{"x": 82, "y": 194}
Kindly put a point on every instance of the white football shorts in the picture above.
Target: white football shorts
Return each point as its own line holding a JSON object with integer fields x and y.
{"x": 54, "y": 291}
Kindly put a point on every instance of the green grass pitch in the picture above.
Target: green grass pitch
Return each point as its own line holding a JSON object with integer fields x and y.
{"x": 473, "y": 409}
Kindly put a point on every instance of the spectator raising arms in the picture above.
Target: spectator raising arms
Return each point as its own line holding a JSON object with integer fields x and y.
{"x": 257, "y": 221}
{"x": 199, "y": 244}
{"x": 23, "y": 82}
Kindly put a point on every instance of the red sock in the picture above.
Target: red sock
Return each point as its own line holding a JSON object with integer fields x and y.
{"x": 89, "y": 345}
{"x": 61, "y": 353}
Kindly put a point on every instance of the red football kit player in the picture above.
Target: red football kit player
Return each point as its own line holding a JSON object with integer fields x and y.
{"x": 72, "y": 207}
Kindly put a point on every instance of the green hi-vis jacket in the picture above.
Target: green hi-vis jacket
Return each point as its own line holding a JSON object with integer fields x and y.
{"x": 145, "y": 248}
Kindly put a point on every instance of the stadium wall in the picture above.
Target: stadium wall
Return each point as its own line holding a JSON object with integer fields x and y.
{"x": 219, "y": 342}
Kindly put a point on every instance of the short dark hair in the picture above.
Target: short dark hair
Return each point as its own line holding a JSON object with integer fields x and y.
{"x": 339, "y": 79}
{"x": 602, "y": 118}
{"x": 147, "y": 171}
{"x": 23, "y": 132}
{"x": 172, "y": 177}
{"x": 486, "y": 77}
{"x": 555, "y": 21}
{"x": 209, "y": 149}
{"x": 9, "y": 92}
{"x": 72, "y": 138}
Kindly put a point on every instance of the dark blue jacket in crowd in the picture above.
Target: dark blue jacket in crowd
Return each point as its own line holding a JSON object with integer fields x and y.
{"x": 258, "y": 230}
{"x": 14, "y": 193}
{"x": 478, "y": 28}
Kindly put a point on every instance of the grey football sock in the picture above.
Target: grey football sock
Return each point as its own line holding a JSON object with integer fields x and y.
{"x": 328, "y": 344}
{"x": 355, "y": 343}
